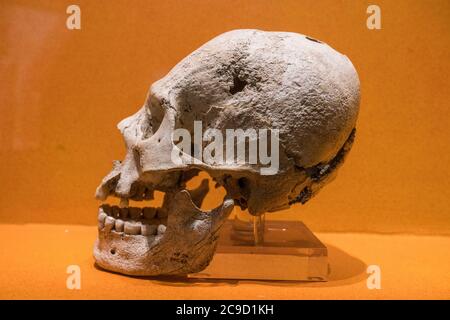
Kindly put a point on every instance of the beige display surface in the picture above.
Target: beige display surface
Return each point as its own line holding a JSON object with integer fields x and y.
{"x": 41, "y": 273}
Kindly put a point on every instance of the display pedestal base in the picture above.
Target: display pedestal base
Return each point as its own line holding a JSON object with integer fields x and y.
{"x": 267, "y": 250}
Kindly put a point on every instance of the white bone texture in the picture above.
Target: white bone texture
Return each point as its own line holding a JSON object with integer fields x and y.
{"x": 242, "y": 79}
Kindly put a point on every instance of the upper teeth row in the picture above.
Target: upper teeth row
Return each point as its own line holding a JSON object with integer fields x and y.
{"x": 133, "y": 213}
{"x": 108, "y": 223}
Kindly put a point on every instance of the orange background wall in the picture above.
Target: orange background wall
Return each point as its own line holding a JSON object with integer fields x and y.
{"x": 62, "y": 93}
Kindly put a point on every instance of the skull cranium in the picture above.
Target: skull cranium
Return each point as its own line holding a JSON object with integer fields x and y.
{"x": 240, "y": 79}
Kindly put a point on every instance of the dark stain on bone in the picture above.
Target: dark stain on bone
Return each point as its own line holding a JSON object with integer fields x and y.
{"x": 320, "y": 171}
{"x": 303, "y": 197}
{"x": 179, "y": 257}
{"x": 242, "y": 203}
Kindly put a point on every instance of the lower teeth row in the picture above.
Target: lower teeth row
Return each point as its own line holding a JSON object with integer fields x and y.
{"x": 108, "y": 223}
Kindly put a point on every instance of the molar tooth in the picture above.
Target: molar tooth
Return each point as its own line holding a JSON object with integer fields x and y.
{"x": 149, "y": 213}
{"x": 161, "y": 229}
{"x": 148, "y": 229}
{"x": 163, "y": 221}
{"x": 109, "y": 223}
{"x": 132, "y": 228}
{"x": 101, "y": 219}
{"x": 135, "y": 213}
{"x": 119, "y": 225}
{"x": 161, "y": 213}
{"x": 123, "y": 203}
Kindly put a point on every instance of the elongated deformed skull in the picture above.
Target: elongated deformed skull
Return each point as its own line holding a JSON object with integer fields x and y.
{"x": 288, "y": 83}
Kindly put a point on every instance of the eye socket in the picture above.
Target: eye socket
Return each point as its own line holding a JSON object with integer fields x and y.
{"x": 156, "y": 110}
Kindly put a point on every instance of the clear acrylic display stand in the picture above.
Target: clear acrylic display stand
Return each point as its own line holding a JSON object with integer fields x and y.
{"x": 254, "y": 248}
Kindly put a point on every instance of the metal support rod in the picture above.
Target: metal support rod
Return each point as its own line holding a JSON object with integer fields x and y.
{"x": 258, "y": 229}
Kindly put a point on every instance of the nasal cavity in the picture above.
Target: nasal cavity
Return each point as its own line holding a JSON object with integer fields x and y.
{"x": 238, "y": 85}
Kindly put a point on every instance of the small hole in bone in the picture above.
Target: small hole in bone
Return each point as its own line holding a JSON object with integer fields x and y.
{"x": 243, "y": 183}
{"x": 238, "y": 85}
{"x": 312, "y": 39}
{"x": 113, "y": 251}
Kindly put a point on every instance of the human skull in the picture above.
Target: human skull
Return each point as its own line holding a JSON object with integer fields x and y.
{"x": 241, "y": 79}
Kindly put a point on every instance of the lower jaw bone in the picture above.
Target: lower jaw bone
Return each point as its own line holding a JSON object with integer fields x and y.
{"x": 186, "y": 245}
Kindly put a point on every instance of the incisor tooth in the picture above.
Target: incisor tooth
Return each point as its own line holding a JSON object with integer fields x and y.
{"x": 119, "y": 225}
{"x": 161, "y": 229}
{"x": 148, "y": 229}
{"x": 101, "y": 219}
{"x": 106, "y": 208}
{"x": 132, "y": 228}
{"x": 109, "y": 223}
